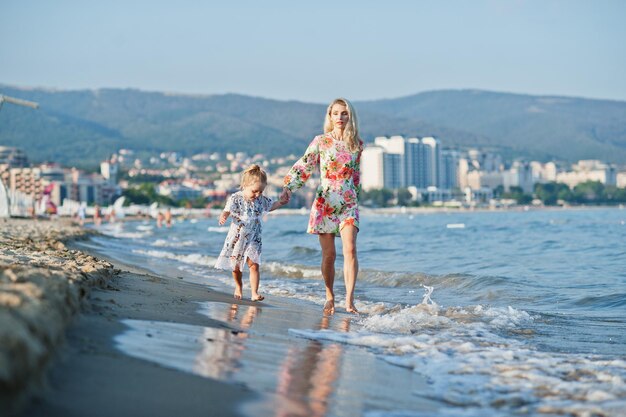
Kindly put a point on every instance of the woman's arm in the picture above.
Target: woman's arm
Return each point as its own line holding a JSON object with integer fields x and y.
{"x": 304, "y": 167}
{"x": 356, "y": 175}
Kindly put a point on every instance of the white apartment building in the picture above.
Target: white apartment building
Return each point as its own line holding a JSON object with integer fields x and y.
{"x": 396, "y": 162}
{"x": 485, "y": 161}
{"x": 372, "y": 177}
{"x": 433, "y": 163}
{"x": 543, "y": 173}
{"x": 519, "y": 175}
{"x": 480, "y": 169}
{"x": 589, "y": 170}
{"x": 110, "y": 169}
{"x": 477, "y": 180}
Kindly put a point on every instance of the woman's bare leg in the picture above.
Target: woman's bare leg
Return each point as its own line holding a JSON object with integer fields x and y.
{"x": 327, "y": 242}
{"x": 237, "y": 277}
{"x": 350, "y": 264}
{"x": 254, "y": 281}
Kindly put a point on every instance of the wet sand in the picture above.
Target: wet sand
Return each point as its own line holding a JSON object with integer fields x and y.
{"x": 155, "y": 345}
{"x": 93, "y": 378}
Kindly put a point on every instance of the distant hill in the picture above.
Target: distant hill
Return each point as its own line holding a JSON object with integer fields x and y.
{"x": 82, "y": 127}
{"x": 534, "y": 126}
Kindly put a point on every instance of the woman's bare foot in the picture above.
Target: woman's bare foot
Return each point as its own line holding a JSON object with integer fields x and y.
{"x": 237, "y": 293}
{"x": 257, "y": 297}
{"x": 350, "y": 308}
{"x": 329, "y": 307}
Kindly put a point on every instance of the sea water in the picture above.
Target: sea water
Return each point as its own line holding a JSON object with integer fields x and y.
{"x": 502, "y": 312}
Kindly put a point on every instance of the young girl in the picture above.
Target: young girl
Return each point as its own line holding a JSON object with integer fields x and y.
{"x": 243, "y": 242}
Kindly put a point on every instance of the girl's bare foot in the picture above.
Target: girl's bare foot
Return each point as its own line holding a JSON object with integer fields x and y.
{"x": 329, "y": 307}
{"x": 257, "y": 297}
{"x": 237, "y": 293}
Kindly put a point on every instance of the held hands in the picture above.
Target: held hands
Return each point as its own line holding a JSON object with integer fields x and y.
{"x": 285, "y": 196}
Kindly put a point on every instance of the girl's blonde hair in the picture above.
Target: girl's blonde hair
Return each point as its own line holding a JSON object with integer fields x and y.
{"x": 351, "y": 132}
{"x": 252, "y": 174}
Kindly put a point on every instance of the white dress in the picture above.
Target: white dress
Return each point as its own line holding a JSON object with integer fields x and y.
{"x": 244, "y": 236}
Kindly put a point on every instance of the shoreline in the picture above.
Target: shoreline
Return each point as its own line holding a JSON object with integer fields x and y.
{"x": 244, "y": 359}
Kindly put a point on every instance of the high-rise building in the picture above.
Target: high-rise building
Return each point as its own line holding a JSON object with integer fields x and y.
{"x": 434, "y": 167}
{"x": 109, "y": 170}
{"x": 393, "y": 171}
{"x": 372, "y": 168}
{"x": 450, "y": 163}
{"x": 415, "y": 163}
{"x": 519, "y": 175}
{"x": 406, "y": 163}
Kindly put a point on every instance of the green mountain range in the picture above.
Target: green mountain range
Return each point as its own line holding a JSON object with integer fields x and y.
{"x": 80, "y": 128}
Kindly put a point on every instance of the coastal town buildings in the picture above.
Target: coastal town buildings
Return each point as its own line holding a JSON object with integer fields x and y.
{"x": 430, "y": 172}
{"x": 50, "y": 184}
{"x": 420, "y": 165}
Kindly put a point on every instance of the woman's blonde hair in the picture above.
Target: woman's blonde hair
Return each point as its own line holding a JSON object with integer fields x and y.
{"x": 351, "y": 132}
{"x": 252, "y": 174}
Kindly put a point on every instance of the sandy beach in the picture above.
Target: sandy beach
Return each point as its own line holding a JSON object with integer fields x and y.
{"x": 131, "y": 342}
{"x": 42, "y": 286}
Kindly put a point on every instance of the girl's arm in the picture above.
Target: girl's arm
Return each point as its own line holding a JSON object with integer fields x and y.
{"x": 284, "y": 199}
{"x": 226, "y": 211}
{"x": 223, "y": 217}
{"x": 304, "y": 167}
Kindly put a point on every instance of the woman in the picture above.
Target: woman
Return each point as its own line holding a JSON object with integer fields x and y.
{"x": 335, "y": 210}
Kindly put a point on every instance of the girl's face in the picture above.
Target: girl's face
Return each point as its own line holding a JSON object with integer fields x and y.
{"x": 339, "y": 116}
{"x": 254, "y": 190}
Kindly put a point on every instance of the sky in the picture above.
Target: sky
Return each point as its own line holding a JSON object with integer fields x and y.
{"x": 314, "y": 51}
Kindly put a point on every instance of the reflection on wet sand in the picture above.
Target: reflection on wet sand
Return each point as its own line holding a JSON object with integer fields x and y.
{"x": 220, "y": 360}
{"x": 307, "y": 376}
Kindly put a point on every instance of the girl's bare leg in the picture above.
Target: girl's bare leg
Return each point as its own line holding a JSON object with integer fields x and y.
{"x": 350, "y": 264}
{"x": 327, "y": 242}
{"x": 237, "y": 277}
{"x": 254, "y": 281}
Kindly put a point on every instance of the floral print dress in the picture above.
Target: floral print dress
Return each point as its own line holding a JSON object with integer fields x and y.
{"x": 244, "y": 235}
{"x": 336, "y": 200}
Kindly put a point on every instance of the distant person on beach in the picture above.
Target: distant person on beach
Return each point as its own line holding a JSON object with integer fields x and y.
{"x": 160, "y": 218}
{"x": 81, "y": 213}
{"x": 168, "y": 217}
{"x": 112, "y": 216}
{"x": 335, "y": 210}
{"x": 97, "y": 216}
{"x": 243, "y": 242}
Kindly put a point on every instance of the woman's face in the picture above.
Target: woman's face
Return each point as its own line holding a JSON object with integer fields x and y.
{"x": 339, "y": 116}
